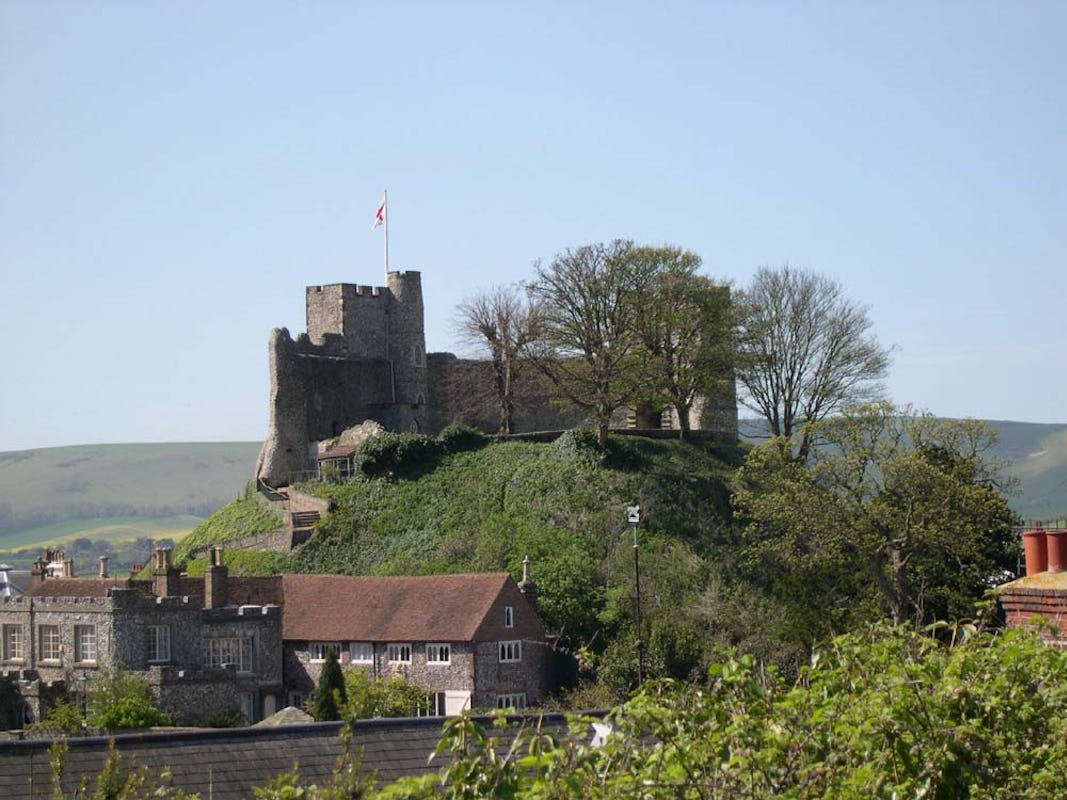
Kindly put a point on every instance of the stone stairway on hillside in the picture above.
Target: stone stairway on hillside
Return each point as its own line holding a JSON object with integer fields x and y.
{"x": 302, "y": 525}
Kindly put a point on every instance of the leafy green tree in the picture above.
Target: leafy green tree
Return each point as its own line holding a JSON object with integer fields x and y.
{"x": 898, "y": 509}
{"x": 684, "y": 329}
{"x": 368, "y": 696}
{"x": 329, "y": 696}
{"x": 121, "y": 699}
{"x": 804, "y": 352}
{"x": 584, "y": 325}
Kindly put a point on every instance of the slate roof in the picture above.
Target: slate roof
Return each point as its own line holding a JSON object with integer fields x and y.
{"x": 446, "y": 608}
{"x": 227, "y": 764}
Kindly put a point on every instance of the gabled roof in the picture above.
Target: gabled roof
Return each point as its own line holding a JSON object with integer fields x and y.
{"x": 447, "y": 608}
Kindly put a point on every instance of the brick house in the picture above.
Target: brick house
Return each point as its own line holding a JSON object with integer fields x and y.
{"x": 472, "y": 641}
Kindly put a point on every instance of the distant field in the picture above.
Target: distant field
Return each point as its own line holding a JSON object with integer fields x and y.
{"x": 120, "y": 529}
{"x": 39, "y": 488}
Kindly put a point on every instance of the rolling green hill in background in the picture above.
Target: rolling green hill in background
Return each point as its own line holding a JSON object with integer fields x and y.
{"x": 1036, "y": 455}
{"x": 55, "y": 495}
{"x": 115, "y": 492}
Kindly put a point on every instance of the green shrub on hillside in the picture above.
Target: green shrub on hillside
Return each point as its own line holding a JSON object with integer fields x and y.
{"x": 242, "y": 517}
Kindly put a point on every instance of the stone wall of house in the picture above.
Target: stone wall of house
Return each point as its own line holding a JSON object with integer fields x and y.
{"x": 494, "y": 677}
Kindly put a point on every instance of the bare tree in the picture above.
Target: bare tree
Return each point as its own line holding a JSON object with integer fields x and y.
{"x": 585, "y": 325}
{"x": 499, "y": 320}
{"x": 804, "y": 351}
{"x": 685, "y": 332}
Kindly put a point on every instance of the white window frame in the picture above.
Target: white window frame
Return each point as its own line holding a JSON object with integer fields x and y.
{"x": 516, "y": 700}
{"x": 48, "y": 643}
{"x": 399, "y": 653}
{"x": 361, "y": 652}
{"x": 510, "y": 651}
{"x": 221, "y": 650}
{"x": 509, "y": 617}
{"x": 13, "y": 643}
{"x": 317, "y": 651}
{"x": 158, "y": 645}
{"x": 439, "y": 653}
{"x": 84, "y": 644}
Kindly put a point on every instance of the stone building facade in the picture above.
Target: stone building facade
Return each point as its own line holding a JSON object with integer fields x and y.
{"x": 196, "y": 658}
{"x": 253, "y": 645}
{"x": 470, "y": 640}
{"x": 364, "y": 357}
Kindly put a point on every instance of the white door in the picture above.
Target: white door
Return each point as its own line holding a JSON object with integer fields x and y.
{"x": 456, "y": 702}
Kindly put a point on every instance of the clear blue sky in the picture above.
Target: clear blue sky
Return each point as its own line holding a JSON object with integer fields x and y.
{"x": 172, "y": 174}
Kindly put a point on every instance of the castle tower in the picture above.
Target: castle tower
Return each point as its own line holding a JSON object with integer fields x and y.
{"x": 407, "y": 350}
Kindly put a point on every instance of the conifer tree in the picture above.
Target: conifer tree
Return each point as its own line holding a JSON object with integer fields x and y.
{"x": 329, "y": 696}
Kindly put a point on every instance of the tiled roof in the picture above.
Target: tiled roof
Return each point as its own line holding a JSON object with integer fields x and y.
{"x": 227, "y": 764}
{"x": 83, "y": 587}
{"x": 380, "y": 609}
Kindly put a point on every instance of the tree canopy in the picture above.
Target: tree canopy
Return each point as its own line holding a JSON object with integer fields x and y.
{"x": 805, "y": 351}
{"x": 899, "y": 514}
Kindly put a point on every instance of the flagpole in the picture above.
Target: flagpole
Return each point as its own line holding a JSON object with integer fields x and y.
{"x": 385, "y": 202}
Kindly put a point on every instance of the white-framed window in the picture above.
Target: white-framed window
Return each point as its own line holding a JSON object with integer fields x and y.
{"x": 48, "y": 642}
{"x": 515, "y": 701}
{"x": 158, "y": 643}
{"x": 400, "y": 654}
{"x": 13, "y": 644}
{"x": 317, "y": 650}
{"x": 438, "y": 654}
{"x": 509, "y": 617}
{"x": 362, "y": 652}
{"x": 434, "y": 707}
{"x": 85, "y": 643}
{"x": 511, "y": 651}
{"x": 222, "y": 650}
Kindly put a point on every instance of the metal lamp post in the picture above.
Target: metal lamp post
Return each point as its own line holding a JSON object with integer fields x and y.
{"x": 633, "y": 516}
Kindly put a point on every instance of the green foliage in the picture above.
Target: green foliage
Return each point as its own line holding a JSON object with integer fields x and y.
{"x": 328, "y": 699}
{"x": 242, "y": 562}
{"x": 239, "y": 518}
{"x": 886, "y": 714}
{"x": 120, "y": 779}
{"x": 458, "y": 437}
{"x": 61, "y": 716}
{"x": 398, "y": 455}
{"x": 895, "y": 515}
{"x": 561, "y": 503}
{"x": 348, "y": 781}
{"x": 119, "y": 699}
{"x": 370, "y": 696}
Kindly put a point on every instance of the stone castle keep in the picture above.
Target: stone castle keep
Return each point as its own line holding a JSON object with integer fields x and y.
{"x": 364, "y": 357}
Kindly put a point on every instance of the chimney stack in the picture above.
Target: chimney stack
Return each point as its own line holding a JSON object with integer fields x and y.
{"x": 103, "y": 566}
{"x": 165, "y": 576}
{"x": 527, "y": 586}
{"x": 215, "y": 580}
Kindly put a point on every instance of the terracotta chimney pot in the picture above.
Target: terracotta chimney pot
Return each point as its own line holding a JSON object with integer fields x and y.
{"x": 1035, "y": 547}
{"x": 1056, "y": 544}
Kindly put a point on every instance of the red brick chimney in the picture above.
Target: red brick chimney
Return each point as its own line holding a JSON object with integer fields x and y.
{"x": 215, "y": 579}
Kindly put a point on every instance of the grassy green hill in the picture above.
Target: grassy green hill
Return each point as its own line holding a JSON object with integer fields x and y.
{"x": 57, "y": 494}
